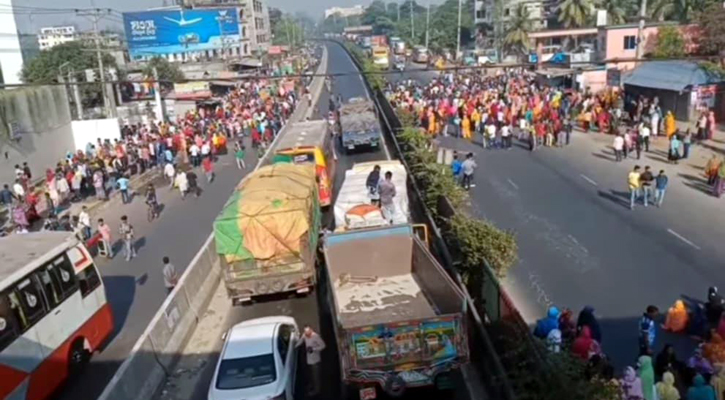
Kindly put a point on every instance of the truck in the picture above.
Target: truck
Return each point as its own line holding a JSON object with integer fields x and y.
{"x": 353, "y": 208}
{"x": 398, "y": 318}
{"x": 381, "y": 56}
{"x": 358, "y": 125}
{"x": 379, "y": 40}
{"x": 268, "y": 232}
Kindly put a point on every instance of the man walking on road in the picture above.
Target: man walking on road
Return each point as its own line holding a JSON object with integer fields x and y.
{"x": 122, "y": 183}
{"x": 468, "y": 166}
{"x": 645, "y": 132}
{"x": 646, "y": 179}
{"x": 105, "y": 232}
{"x": 314, "y": 346}
{"x": 126, "y": 231}
{"x": 84, "y": 220}
{"x": 647, "y": 331}
{"x": 661, "y": 183}
{"x": 618, "y": 147}
{"x": 633, "y": 181}
{"x": 171, "y": 278}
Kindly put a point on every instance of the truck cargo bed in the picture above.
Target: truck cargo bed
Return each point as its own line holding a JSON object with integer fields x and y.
{"x": 369, "y": 300}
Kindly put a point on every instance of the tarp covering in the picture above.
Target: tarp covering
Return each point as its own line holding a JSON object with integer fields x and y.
{"x": 670, "y": 75}
{"x": 269, "y": 216}
{"x": 354, "y": 193}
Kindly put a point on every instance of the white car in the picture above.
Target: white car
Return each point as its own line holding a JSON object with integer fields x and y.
{"x": 258, "y": 361}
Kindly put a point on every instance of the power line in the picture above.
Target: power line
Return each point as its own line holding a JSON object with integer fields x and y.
{"x": 357, "y": 73}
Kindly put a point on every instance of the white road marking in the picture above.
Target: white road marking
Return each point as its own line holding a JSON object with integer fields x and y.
{"x": 513, "y": 184}
{"x": 588, "y": 179}
{"x": 684, "y": 239}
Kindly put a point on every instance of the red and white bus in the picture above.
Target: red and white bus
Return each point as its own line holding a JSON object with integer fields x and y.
{"x": 53, "y": 312}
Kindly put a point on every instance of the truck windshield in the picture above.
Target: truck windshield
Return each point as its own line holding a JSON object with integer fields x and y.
{"x": 242, "y": 373}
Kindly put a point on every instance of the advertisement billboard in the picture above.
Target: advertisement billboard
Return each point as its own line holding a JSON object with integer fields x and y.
{"x": 162, "y": 32}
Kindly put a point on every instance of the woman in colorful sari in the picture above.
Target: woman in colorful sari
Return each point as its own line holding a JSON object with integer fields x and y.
{"x": 670, "y": 125}
{"x": 466, "y": 127}
{"x": 676, "y": 318}
{"x": 666, "y": 389}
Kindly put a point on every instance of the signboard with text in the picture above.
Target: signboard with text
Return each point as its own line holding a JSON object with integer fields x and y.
{"x": 151, "y": 33}
{"x": 614, "y": 77}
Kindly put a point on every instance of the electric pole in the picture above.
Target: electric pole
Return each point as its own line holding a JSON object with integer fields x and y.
{"x": 157, "y": 97}
{"x": 222, "y": 19}
{"x": 427, "y": 24}
{"x": 458, "y": 32}
{"x": 412, "y": 24}
{"x": 94, "y": 16}
{"x": 398, "y": 7}
{"x": 640, "y": 31}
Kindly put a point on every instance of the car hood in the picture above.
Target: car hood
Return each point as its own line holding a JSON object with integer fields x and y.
{"x": 264, "y": 392}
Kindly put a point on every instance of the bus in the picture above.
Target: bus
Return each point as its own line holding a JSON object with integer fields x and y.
{"x": 53, "y": 312}
{"x": 420, "y": 54}
{"x": 381, "y": 57}
{"x": 310, "y": 142}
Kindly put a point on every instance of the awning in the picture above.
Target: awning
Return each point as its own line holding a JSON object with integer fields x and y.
{"x": 670, "y": 75}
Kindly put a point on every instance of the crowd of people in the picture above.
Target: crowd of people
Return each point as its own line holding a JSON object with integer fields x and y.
{"x": 660, "y": 376}
{"x": 253, "y": 109}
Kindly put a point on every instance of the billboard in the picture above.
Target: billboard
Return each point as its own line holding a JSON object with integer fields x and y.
{"x": 161, "y": 32}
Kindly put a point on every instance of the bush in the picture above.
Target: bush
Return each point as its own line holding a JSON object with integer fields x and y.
{"x": 481, "y": 243}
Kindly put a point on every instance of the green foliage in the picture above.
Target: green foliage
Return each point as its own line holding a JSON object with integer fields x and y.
{"x": 481, "y": 242}
{"x": 167, "y": 71}
{"x": 516, "y": 39}
{"x": 617, "y": 10}
{"x": 287, "y": 31}
{"x": 712, "y": 25}
{"x": 670, "y": 43}
{"x": 575, "y": 13}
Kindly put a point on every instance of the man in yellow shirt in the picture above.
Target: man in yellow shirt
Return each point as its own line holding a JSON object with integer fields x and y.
{"x": 634, "y": 186}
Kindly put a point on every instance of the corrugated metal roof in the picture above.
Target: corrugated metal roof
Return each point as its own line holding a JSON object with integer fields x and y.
{"x": 670, "y": 75}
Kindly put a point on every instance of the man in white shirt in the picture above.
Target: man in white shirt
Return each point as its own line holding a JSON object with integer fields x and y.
{"x": 19, "y": 189}
{"x": 84, "y": 221}
{"x": 506, "y": 136}
{"x": 491, "y": 134}
{"x": 618, "y": 147}
{"x": 205, "y": 149}
{"x": 645, "y": 132}
{"x": 169, "y": 173}
{"x": 314, "y": 345}
{"x": 194, "y": 152}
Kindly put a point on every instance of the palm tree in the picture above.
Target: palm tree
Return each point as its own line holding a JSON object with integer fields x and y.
{"x": 516, "y": 38}
{"x": 661, "y": 10}
{"x": 575, "y": 13}
{"x": 616, "y": 10}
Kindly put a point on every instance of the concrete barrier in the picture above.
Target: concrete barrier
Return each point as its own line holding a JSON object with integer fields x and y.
{"x": 156, "y": 352}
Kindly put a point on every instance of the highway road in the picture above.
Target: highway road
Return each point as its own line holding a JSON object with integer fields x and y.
{"x": 313, "y": 309}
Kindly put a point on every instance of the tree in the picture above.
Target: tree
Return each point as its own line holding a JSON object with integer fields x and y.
{"x": 76, "y": 57}
{"x": 616, "y": 10}
{"x": 670, "y": 43}
{"x": 167, "y": 71}
{"x": 443, "y": 25}
{"x": 516, "y": 39}
{"x": 575, "y": 13}
{"x": 712, "y": 30}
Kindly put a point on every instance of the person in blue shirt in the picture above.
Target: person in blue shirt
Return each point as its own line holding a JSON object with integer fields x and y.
{"x": 661, "y": 182}
{"x": 123, "y": 183}
{"x": 547, "y": 324}
{"x": 648, "y": 331}
{"x": 456, "y": 168}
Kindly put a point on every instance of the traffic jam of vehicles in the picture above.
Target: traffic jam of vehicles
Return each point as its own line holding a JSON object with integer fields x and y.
{"x": 397, "y": 315}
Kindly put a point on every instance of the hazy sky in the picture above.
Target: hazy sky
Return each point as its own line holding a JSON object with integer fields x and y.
{"x": 31, "y": 24}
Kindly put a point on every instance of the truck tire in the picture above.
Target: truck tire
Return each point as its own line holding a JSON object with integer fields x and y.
{"x": 394, "y": 386}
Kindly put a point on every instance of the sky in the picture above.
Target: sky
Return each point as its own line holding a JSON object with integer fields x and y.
{"x": 32, "y": 24}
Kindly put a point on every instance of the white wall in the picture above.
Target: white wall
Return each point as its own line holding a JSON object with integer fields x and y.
{"x": 11, "y": 58}
{"x": 93, "y": 129}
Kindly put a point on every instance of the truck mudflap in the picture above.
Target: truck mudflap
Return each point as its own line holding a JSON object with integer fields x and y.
{"x": 395, "y": 383}
{"x": 243, "y": 291}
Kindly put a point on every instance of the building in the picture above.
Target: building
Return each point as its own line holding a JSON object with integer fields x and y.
{"x": 55, "y": 35}
{"x": 485, "y": 16}
{"x": 344, "y": 11}
{"x": 261, "y": 31}
{"x": 15, "y": 48}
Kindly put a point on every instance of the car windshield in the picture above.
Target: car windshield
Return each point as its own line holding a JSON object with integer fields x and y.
{"x": 242, "y": 373}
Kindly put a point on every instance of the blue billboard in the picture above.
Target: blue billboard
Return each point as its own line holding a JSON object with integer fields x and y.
{"x": 161, "y": 32}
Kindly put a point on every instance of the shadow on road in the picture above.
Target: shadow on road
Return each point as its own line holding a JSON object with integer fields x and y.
{"x": 616, "y": 197}
{"x": 120, "y": 291}
{"x": 697, "y": 183}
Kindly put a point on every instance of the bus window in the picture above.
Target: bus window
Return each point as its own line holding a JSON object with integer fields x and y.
{"x": 50, "y": 286}
{"x": 64, "y": 274}
{"x": 89, "y": 280}
{"x": 9, "y": 329}
{"x": 28, "y": 298}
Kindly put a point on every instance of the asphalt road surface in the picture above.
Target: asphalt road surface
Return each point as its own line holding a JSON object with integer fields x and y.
{"x": 312, "y": 309}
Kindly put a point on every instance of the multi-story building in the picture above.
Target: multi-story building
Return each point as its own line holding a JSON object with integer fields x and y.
{"x": 344, "y": 11}
{"x": 492, "y": 16}
{"x": 55, "y": 35}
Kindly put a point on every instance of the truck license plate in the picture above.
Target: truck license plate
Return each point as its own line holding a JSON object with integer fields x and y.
{"x": 351, "y": 147}
{"x": 368, "y": 393}
{"x": 413, "y": 377}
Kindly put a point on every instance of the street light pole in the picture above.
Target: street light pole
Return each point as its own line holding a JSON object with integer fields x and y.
{"x": 398, "y": 7}
{"x": 458, "y": 31}
{"x": 412, "y": 25}
{"x": 427, "y": 25}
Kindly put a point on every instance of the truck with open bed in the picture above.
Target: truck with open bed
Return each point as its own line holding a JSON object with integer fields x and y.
{"x": 398, "y": 317}
{"x": 359, "y": 125}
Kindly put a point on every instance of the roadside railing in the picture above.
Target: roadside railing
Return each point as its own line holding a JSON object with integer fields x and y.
{"x": 158, "y": 349}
